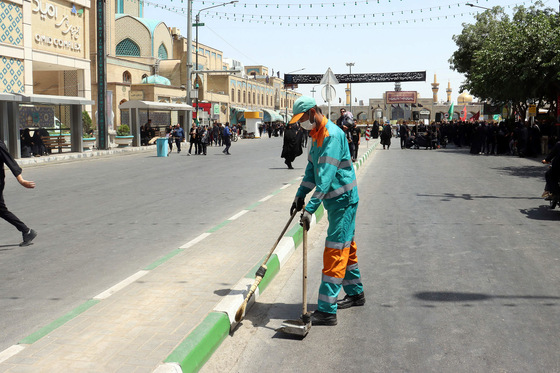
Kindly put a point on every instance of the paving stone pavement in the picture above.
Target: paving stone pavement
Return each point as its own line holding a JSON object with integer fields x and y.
{"x": 135, "y": 328}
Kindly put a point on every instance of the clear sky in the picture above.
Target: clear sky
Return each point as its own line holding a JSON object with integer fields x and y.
{"x": 378, "y": 36}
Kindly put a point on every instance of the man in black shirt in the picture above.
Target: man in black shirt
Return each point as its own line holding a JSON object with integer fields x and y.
{"x": 6, "y": 158}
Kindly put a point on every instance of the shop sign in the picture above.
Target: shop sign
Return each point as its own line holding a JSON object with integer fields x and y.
{"x": 401, "y": 97}
{"x": 136, "y": 95}
{"x": 57, "y": 27}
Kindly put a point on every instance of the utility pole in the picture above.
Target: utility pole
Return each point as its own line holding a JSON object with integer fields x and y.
{"x": 350, "y": 64}
{"x": 188, "y": 85}
{"x": 101, "y": 78}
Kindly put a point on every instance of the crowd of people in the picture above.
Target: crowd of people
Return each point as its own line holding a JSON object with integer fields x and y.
{"x": 33, "y": 145}
{"x": 522, "y": 139}
{"x": 199, "y": 136}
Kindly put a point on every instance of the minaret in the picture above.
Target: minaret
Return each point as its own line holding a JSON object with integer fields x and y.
{"x": 435, "y": 88}
{"x": 449, "y": 90}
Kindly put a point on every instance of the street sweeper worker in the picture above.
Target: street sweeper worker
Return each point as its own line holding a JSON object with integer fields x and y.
{"x": 330, "y": 172}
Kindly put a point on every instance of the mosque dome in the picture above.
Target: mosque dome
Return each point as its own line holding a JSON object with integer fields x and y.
{"x": 464, "y": 98}
{"x": 156, "y": 79}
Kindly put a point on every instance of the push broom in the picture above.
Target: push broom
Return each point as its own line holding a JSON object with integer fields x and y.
{"x": 260, "y": 273}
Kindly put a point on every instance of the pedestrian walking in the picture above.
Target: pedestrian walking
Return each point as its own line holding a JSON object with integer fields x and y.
{"x": 291, "y": 146}
{"x": 204, "y": 139}
{"x": 179, "y": 136}
{"x": 404, "y": 133}
{"x": 386, "y": 135}
{"x": 331, "y": 173}
{"x": 192, "y": 140}
{"x": 7, "y": 159}
{"x": 169, "y": 134}
{"x": 355, "y": 135}
{"x": 226, "y": 138}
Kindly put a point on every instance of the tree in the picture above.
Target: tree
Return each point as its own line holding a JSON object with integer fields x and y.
{"x": 511, "y": 60}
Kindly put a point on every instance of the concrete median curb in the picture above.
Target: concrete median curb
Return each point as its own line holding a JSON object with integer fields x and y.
{"x": 200, "y": 344}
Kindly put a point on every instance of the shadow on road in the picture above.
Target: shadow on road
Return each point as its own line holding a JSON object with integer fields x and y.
{"x": 523, "y": 171}
{"x": 470, "y": 197}
{"x": 449, "y": 296}
{"x": 541, "y": 213}
{"x": 8, "y": 247}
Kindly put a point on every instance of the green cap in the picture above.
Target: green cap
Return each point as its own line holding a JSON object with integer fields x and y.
{"x": 301, "y": 106}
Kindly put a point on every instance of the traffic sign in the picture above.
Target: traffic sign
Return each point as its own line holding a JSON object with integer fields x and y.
{"x": 328, "y": 93}
{"x": 198, "y": 24}
{"x": 368, "y": 134}
{"x": 532, "y": 110}
{"x": 329, "y": 78}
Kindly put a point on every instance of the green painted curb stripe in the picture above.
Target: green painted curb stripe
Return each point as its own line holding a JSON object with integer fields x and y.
{"x": 217, "y": 227}
{"x": 254, "y": 205}
{"x": 296, "y": 233}
{"x": 59, "y": 322}
{"x": 200, "y": 344}
{"x": 272, "y": 268}
{"x": 162, "y": 260}
{"x": 276, "y": 192}
{"x": 319, "y": 213}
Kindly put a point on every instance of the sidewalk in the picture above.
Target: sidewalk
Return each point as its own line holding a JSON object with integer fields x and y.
{"x": 70, "y": 156}
{"x": 177, "y": 310}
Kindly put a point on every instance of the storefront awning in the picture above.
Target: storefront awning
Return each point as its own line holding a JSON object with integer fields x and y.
{"x": 55, "y": 100}
{"x": 10, "y": 97}
{"x": 271, "y": 116}
{"x": 236, "y": 115}
{"x": 151, "y": 105}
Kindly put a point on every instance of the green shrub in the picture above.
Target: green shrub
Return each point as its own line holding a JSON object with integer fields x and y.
{"x": 123, "y": 130}
{"x": 87, "y": 124}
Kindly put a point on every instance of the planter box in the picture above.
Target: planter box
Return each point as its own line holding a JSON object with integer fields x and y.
{"x": 88, "y": 142}
{"x": 123, "y": 141}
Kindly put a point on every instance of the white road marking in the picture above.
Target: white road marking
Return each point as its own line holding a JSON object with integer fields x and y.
{"x": 112, "y": 290}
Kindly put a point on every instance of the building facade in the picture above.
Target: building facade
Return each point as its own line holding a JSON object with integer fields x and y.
{"x": 44, "y": 66}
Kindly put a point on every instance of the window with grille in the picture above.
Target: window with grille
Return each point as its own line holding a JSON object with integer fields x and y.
{"x": 127, "y": 77}
{"x": 162, "y": 52}
{"x": 128, "y": 48}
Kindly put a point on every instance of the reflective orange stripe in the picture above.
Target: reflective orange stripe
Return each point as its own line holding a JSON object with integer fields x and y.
{"x": 352, "y": 257}
{"x": 334, "y": 262}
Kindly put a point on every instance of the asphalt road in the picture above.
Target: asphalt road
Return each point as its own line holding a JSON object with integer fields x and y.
{"x": 460, "y": 259}
{"x": 101, "y": 220}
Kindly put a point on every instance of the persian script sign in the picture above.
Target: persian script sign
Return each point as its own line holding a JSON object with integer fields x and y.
{"x": 401, "y": 97}
{"x": 418, "y": 76}
{"x": 58, "y": 27}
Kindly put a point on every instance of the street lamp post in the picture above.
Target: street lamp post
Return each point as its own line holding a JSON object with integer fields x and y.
{"x": 477, "y": 6}
{"x": 350, "y": 64}
{"x": 197, "y": 23}
{"x": 286, "y": 89}
{"x": 313, "y": 90}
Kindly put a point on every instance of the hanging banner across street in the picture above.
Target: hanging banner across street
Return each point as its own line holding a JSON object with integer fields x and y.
{"x": 417, "y": 76}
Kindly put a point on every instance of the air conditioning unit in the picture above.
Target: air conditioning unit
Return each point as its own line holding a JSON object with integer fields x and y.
{"x": 175, "y": 31}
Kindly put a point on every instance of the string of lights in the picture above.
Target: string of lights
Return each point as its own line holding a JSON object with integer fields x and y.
{"x": 379, "y": 18}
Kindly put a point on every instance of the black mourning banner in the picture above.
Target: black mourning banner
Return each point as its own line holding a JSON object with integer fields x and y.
{"x": 417, "y": 76}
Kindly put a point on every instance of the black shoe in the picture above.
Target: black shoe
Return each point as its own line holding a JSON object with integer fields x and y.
{"x": 323, "y": 318}
{"x": 28, "y": 237}
{"x": 351, "y": 301}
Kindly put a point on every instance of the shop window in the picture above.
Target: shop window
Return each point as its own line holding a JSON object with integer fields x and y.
{"x": 162, "y": 52}
{"x": 128, "y": 48}
{"x": 127, "y": 77}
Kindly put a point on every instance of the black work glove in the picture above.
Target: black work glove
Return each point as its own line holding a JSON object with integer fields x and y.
{"x": 297, "y": 205}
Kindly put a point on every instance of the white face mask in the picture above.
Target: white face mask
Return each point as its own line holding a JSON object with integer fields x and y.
{"x": 308, "y": 125}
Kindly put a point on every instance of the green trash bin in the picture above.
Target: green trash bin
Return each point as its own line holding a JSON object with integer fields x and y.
{"x": 162, "y": 147}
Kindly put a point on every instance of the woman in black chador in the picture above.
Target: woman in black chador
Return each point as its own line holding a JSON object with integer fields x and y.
{"x": 292, "y": 145}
